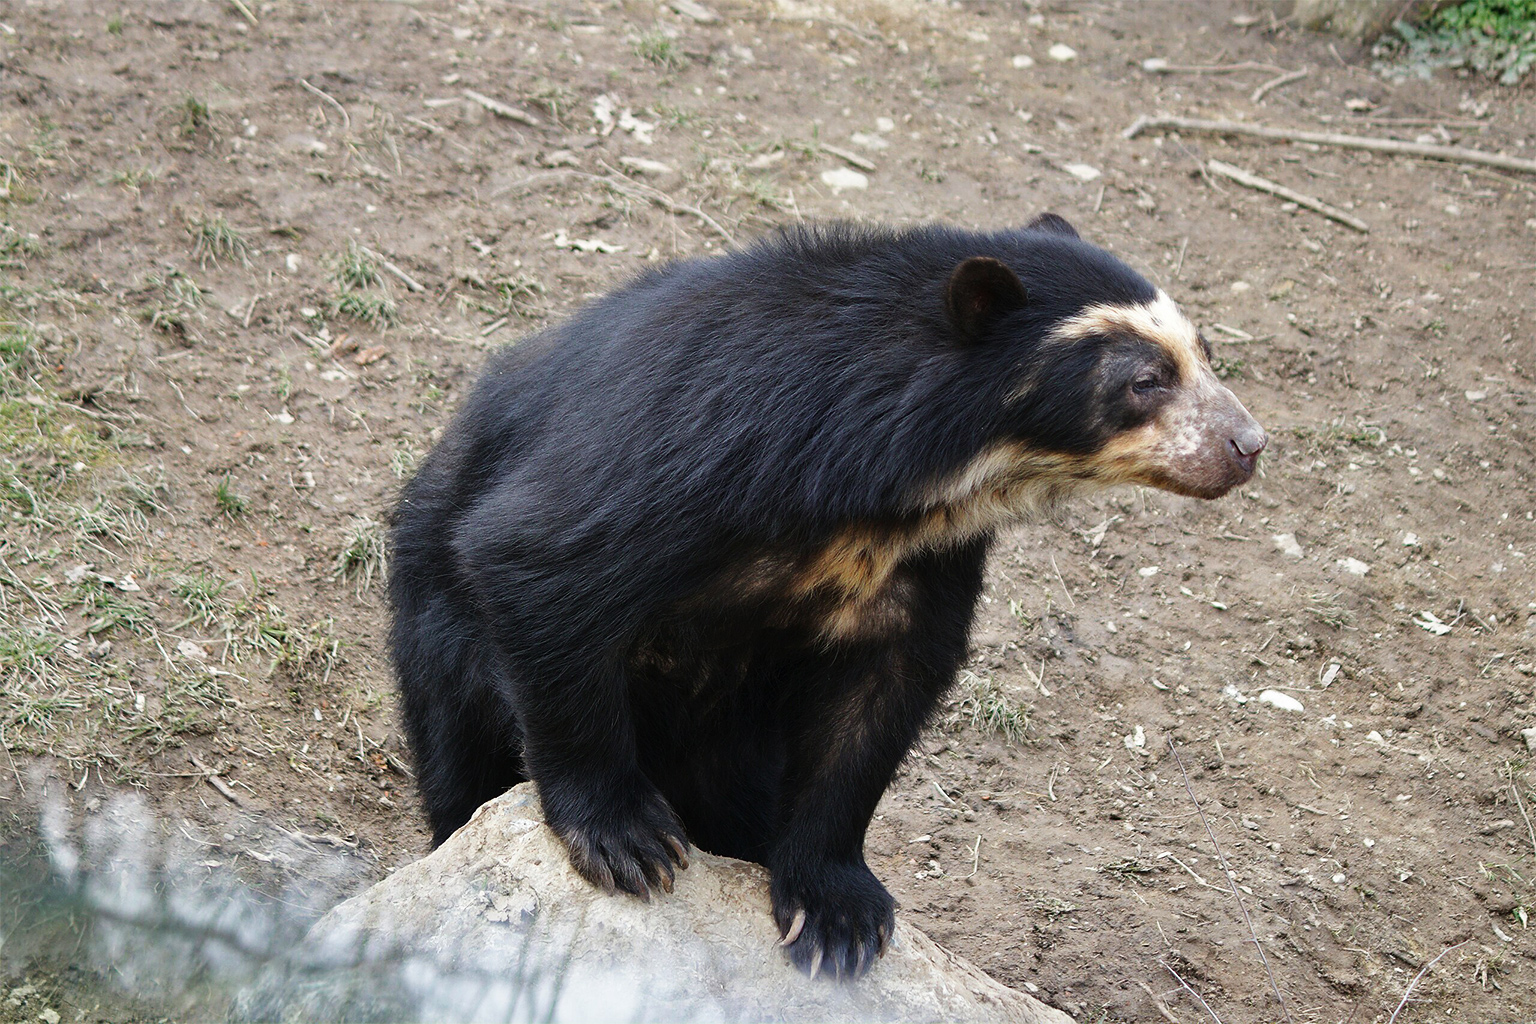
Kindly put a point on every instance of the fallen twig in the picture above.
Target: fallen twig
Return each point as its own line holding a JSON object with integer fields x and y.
{"x": 409, "y": 282}
{"x": 1409, "y": 990}
{"x": 346, "y": 119}
{"x": 1198, "y": 998}
{"x": 1242, "y": 177}
{"x": 212, "y": 778}
{"x": 1160, "y": 66}
{"x": 501, "y": 109}
{"x": 624, "y": 186}
{"x": 1514, "y": 787}
{"x": 1157, "y": 1002}
{"x": 850, "y": 157}
{"x": 1275, "y": 83}
{"x": 1231, "y": 880}
{"x": 245, "y": 12}
{"x": 1428, "y": 150}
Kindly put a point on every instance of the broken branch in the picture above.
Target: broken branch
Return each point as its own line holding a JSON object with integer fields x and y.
{"x": 1253, "y": 181}
{"x": 1427, "y": 150}
{"x": 501, "y": 109}
{"x": 1275, "y": 83}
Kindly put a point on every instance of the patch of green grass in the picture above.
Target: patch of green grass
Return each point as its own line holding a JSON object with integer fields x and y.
{"x": 763, "y": 191}
{"x": 1327, "y": 609}
{"x": 134, "y": 178}
{"x": 355, "y": 269}
{"x": 27, "y": 655}
{"x": 363, "y": 555}
{"x": 45, "y": 140}
{"x": 104, "y": 608}
{"x": 307, "y": 654}
{"x": 1227, "y": 369}
{"x": 15, "y": 247}
{"x": 203, "y": 597}
{"x": 213, "y": 237}
{"x": 662, "y": 50}
{"x": 171, "y": 313}
{"x": 229, "y": 503}
{"x": 365, "y": 307}
{"x": 115, "y": 25}
{"x": 402, "y": 461}
{"x": 984, "y": 705}
{"x": 1495, "y": 38}
{"x": 194, "y": 117}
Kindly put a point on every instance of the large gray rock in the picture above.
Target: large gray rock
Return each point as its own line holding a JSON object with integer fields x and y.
{"x": 494, "y": 925}
{"x": 1360, "y": 20}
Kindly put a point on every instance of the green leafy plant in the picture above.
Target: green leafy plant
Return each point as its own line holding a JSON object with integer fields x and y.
{"x": 1496, "y": 38}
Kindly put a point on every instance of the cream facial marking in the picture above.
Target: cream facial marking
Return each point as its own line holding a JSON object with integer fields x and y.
{"x": 1158, "y": 321}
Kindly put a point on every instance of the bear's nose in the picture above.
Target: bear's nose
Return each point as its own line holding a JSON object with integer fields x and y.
{"x": 1246, "y": 447}
{"x": 1250, "y": 441}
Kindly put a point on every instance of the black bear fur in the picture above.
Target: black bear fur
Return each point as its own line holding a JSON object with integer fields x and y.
{"x": 621, "y": 572}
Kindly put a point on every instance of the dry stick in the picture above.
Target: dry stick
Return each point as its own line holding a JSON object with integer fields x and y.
{"x": 1157, "y": 1002}
{"x": 410, "y": 282}
{"x": 850, "y": 157}
{"x": 217, "y": 783}
{"x": 1231, "y": 880}
{"x": 501, "y": 109}
{"x": 1243, "y": 177}
{"x": 1514, "y": 787}
{"x": 1275, "y": 83}
{"x": 1198, "y": 998}
{"x": 1159, "y": 66}
{"x": 623, "y": 186}
{"x": 245, "y": 12}
{"x": 1428, "y": 150}
{"x": 346, "y": 119}
{"x": 1409, "y": 991}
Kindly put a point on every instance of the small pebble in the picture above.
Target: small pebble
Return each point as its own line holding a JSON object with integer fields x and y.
{"x": 841, "y": 178}
{"x": 1061, "y": 52}
{"x": 1288, "y": 546}
{"x": 1283, "y": 701}
{"x": 1082, "y": 172}
{"x": 1353, "y": 566}
{"x": 1023, "y": 60}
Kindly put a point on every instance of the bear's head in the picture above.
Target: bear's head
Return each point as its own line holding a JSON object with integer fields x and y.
{"x": 1105, "y": 381}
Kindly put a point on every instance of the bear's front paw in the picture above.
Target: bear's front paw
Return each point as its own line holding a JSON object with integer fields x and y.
{"x": 628, "y": 844}
{"x": 834, "y": 917}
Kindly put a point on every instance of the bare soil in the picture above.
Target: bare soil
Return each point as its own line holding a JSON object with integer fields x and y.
{"x": 217, "y": 390}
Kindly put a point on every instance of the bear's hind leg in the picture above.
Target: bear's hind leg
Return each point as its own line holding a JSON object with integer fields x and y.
{"x": 462, "y": 730}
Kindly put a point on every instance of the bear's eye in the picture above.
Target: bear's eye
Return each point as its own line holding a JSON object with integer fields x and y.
{"x": 1146, "y": 382}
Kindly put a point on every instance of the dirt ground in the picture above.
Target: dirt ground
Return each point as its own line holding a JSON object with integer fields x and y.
{"x": 249, "y": 264}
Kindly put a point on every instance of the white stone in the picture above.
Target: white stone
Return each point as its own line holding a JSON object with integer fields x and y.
{"x": 1082, "y": 172}
{"x": 884, "y": 124}
{"x": 1353, "y": 566}
{"x": 1529, "y": 735}
{"x": 1061, "y": 52}
{"x": 640, "y": 164}
{"x": 1288, "y": 545}
{"x": 495, "y": 924}
{"x": 840, "y": 178}
{"x": 1476, "y": 396}
{"x": 1023, "y": 60}
{"x": 869, "y": 141}
{"x": 1283, "y": 701}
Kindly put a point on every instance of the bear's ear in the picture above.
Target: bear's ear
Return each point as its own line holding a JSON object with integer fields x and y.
{"x": 980, "y": 290}
{"x": 1052, "y": 223}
